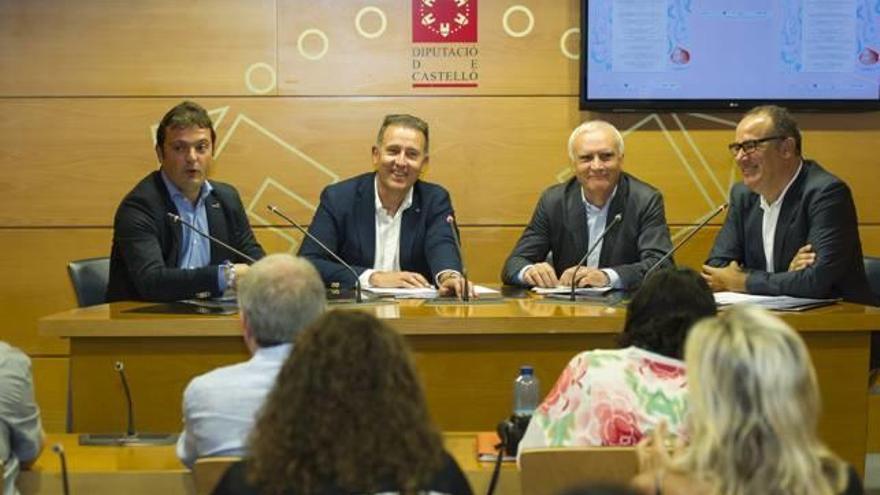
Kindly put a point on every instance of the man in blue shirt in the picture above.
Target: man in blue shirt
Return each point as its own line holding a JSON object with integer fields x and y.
{"x": 157, "y": 259}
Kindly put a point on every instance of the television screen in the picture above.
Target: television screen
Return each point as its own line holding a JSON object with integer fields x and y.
{"x": 730, "y": 54}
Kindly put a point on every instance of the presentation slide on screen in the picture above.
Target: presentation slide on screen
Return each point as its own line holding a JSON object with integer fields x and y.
{"x": 733, "y": 49}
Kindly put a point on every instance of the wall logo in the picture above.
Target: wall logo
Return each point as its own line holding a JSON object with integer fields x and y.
{"x": 445, "y": 52}
{"x": 444, "y": 21}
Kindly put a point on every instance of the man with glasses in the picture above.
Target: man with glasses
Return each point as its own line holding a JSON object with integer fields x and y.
{"x": 569, "y": 218}
{"x": 792, "y": 227}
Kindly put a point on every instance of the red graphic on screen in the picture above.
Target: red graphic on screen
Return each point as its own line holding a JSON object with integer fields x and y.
{"x": 444, "y": 21}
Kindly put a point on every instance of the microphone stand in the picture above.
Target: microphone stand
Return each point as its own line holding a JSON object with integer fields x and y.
{"x": 177, "y": 219}
{"x": 466, "y": 295}
{"x": 715, "y": 213}
{"x": 131, "y": 436}
{"x": 65, "y": 479}
{"x": 357, "y": 282}
{"x": 617, "y": 219}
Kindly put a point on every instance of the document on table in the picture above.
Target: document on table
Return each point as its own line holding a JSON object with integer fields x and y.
{"x": 565, "y": 289}
{"x": 424, "y": 293}
{"x": 779, "y": 303}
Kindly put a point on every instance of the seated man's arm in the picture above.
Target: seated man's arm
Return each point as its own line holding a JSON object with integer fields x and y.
{"x": 729, "y": 243}
{"x": 653, "y": 242}
{"x": 531, "y": 250}
{"x": 137, "y": 235}
{"x": 833, "y": 235}
{"x": 328, "y": 226}
{"x": 242, "y": 233}
{"x": 19, "y": 410}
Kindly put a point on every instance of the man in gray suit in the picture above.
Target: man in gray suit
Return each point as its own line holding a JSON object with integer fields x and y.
{"x": 570, "y": 216}
{"x": 792, "y": 227}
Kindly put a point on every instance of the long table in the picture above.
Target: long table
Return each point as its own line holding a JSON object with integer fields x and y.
{"x": 467, "y": 356}
{"x": 155, "y": 469}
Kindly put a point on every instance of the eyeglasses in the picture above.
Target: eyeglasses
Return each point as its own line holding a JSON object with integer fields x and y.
{"x": 751, "y": 145}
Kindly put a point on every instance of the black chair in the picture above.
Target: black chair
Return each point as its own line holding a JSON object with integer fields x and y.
{"x": 872, "y": 269}
{"x": 89, "y": 277}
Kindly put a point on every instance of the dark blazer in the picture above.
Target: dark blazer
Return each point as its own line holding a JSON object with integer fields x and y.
{"x": 146, "y": 244}
{"x": 559, "y": 225}
{"x": 818, "y": 209}
{"x": 346, "y": 223}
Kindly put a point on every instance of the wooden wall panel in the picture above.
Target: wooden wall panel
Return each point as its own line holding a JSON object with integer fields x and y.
{"x": 158, "y": 47}
{"x": 349, "y": 63}
{"x": 495, "y": 157}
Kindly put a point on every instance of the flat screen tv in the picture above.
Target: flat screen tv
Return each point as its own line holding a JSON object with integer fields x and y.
{"x": 645, "y": 55}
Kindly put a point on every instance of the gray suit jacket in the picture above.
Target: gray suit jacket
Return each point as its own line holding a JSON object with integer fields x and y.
{"x": 559, "y": 225}
{"x": 818, "y": 209}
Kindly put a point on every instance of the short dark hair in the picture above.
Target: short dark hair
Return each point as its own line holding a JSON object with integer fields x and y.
{"x": 663, "y": 310}
{"x": 783, "y": 122}
{"x": 406, "y": 121}
{"x": 185, "y": 115}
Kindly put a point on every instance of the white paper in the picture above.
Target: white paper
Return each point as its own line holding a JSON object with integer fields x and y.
{"x": 422, "y": 293}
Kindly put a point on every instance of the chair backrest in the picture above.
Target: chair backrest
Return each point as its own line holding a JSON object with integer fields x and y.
{"x": 207, "y": 472}
{"x": 551, "y": 471}
{"x": 89, "y": 278}
{"x": 872, "y": 269}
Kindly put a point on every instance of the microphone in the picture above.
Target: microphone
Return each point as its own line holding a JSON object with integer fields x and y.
{"x": 466, "y": 296}
{"x": 65, "y": 481}
{"x": 357, "y": 282}
{"x": 131, "y": 436}
{"x": 129, "y": 409}
{"x": 177, "y": 219}
{"x": 617, "y": 219}
{"x": 715, "y": 213}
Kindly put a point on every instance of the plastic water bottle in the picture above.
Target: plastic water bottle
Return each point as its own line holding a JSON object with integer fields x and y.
{"x": 526, "y": 392}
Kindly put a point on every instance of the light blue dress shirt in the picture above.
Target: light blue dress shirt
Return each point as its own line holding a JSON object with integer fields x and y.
{"x": 597, "y": 218}
{"x": 220, "y": 407}
{"x": 195, "y": 250}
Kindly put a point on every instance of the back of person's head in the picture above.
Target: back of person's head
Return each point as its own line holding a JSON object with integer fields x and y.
{"x": 185, "y": 115}
{"x": 280, "y": 295}
{"x": 754, "y": 406}
{"x": 664, "y": 308}
{"x": 347, "y": 411}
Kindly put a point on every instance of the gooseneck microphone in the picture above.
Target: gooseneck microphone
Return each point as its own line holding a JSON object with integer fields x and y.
{"x": 177, "y": 219}
{"x": 129, "y": 409}
{"x": 65, "y": 481}
{"x": 615, "y": 221}
{"x": 715, "y": 213}
{"x": 466, "y": 295}
{"x": 357, "y": 282}
{"x": 131, "y": 436}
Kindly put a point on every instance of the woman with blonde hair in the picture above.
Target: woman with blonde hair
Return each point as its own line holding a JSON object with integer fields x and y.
{"x": 347, "y": 415}
{"x": 754, "y": 407}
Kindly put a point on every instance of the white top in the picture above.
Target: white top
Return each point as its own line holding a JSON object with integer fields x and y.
{"x": 220, "y": 406}
{"x": 771, "y": 218}
{"x": 387, "y": 251}
{"x": 20, "y": 429}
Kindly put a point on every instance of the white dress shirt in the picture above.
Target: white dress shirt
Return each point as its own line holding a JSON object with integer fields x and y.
{"x": 219, "y": 407}
{"x": 387, "y": 248}
{"x": 771, "y": 218}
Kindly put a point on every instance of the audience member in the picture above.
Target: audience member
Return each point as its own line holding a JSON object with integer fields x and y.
{"x": 754, "y": 406}
{"x": 21, "y": 436}
{"x": 347, "y": 415}
{"x": 613, "y": 397}
{"x": 280, "y": 296}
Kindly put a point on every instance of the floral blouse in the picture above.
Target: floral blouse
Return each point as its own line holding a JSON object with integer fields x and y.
{"x": 610, "y": 397}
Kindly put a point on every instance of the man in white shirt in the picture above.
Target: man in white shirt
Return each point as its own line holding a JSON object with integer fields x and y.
{"x": 390, "y": 226}
{"x": 792, "y": 227}
{"x": 280, "y": 296}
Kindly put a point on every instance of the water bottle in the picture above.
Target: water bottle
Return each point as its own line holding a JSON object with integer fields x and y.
{"x": 526, "y": 392}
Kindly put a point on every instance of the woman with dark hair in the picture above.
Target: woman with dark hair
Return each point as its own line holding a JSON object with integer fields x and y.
{"x": 347, "y": 415}
{"x": 612, "y": 397}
